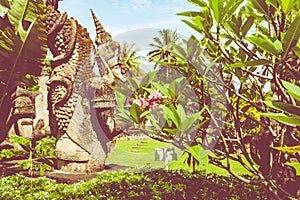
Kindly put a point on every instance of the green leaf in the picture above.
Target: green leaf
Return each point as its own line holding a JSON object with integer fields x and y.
{"x": 217, "y": 6}
{"x": 135, "y": 113}
{"x": 196, "y": 27}
{"x": 233, "y": 27}
{"x": 287, "y": 5}
{"x": 120, "y": 99}
{"x": 173, "y": 89}
{"x": 164, "y": 90}
{"x": 21, "y": 140}
{"x": 187, "y": 123}
{"x": 180, "y": 52}
{"x": 289, "y": 120}
{"x": 123, "y": 89}
{"x": 154, "y": 122}
{"x": 292, "y": 89}
{"x": 247, "y": 25}
{"x": 230, "y": 7}
{"x": 284, "y": 107}
{"x": 189, "y": 14}
{"x": 198, "y": 153}
{"x": 171, "y": 115}
{"x": 192, "y": 46}
{"x": 261, "y": 6}
{"x": 277, "y": 45}
{"x": 22, "y": 32}
{"x": 211, "y": 64}
{"x": 133, "y": 83}
{"x": 291, "y": 37}
{"x": 173, "y": 131}
{"x": 199, "y": 3}
{"x": 144, "y": 114}
{"x": 263, "y": 44}
{"x": 145, "y": 81}
{"x": 289, "y": 150}
{"x": 195, "y": 128}
{"x": 181, "y": 112}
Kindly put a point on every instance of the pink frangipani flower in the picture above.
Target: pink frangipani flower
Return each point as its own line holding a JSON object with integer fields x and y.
{"x": 141, "y": 102}
{"x": 153, "y": 105}
{"x": 155, "y": 95}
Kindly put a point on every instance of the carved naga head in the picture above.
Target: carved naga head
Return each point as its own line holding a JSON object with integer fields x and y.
{"x": 61, "y": 82}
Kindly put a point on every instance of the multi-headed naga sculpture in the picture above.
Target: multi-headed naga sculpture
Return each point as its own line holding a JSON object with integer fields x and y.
{"x": 78, "y": 99}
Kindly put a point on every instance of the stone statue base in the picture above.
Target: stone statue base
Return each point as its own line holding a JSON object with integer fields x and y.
{"x": 80, "y": 167}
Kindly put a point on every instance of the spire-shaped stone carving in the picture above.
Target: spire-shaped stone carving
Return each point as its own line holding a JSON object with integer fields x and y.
{"x": 101, "y": 35}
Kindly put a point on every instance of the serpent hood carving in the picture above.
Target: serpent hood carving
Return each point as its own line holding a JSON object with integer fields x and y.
{"x": 82, "y": 141}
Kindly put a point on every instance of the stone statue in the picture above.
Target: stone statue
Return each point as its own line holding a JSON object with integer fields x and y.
{"x": 110, "y": 63}
{"x": 82, "y": 142}
{"x": 21, "y": 115}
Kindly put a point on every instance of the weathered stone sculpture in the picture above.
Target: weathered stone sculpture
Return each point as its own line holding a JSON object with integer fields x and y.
{"x": 110, "y": 62}
{"x": 21, "y": 115}
{"x": 81, "y": 141}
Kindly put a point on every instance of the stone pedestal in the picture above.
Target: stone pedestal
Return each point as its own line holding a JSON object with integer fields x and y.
{"x": 80, "y": 167}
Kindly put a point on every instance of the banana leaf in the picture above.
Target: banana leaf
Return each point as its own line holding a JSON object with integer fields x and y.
{"x": 23, "y": 47}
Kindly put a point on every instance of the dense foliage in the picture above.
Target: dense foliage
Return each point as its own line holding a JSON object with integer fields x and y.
{"x": 22, "y": 48}
{"x": 34, "y": 155}
{"x": 244, "y": 70}
{"x": 130, "y": 185}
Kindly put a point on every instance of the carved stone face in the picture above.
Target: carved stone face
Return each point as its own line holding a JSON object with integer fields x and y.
{"x": 25, "y": 127}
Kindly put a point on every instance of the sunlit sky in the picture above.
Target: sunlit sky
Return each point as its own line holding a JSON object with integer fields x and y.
{"x": 119, "y": 16}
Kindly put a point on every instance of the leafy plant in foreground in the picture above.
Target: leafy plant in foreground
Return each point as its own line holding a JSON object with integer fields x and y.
{"x": 288, "y": 113}
{"x": 254, "y": 45}
{"x": 38, "y": 157}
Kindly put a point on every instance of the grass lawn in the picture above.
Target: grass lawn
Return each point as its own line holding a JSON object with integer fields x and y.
{"x": 143, "y": 157}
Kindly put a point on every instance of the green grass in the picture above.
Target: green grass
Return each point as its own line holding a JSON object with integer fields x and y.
{"x": 122, "y": 155}
{"x": 144, "y": 158}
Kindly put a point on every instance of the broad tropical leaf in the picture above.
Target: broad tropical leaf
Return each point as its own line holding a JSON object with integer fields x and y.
{"x": 135, "y": 113}
{"x": 289, "y": 120}
{"x": 292, "y": 36}
{"x": 292, "y": 89}
{"x": 263, "y": 44}
{"x": 22, "y": 46}
{"x": 284, "y": 107}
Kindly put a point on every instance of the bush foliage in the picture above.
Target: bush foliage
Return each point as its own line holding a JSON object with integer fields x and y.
{"x": 134, "y": 185}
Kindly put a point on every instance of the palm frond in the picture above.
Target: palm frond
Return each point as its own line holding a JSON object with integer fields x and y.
{"x": 163, "y": 45}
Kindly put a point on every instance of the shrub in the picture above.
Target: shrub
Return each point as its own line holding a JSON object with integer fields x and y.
{"x": 134, "y": 185}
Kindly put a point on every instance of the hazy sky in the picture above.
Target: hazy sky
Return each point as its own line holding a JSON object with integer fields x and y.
{"x": 119, "y": 16}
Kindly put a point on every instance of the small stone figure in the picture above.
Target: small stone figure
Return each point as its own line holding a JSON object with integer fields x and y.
{"x": 21, "y": 115}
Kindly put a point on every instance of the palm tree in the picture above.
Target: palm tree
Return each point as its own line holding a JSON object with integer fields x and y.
{"x": 163, "y": 45}
{"x": 132, "y": 59}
